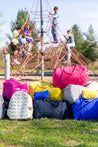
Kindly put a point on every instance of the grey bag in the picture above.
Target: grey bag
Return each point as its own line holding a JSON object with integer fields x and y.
{"x": 2, "y": 108}
{"x": 73, "y": 92}
{"x": 51, "y": 109}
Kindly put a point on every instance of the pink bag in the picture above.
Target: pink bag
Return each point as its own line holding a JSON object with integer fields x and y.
{"x": 76, "y": 75}
{"x": 11, "y": 86}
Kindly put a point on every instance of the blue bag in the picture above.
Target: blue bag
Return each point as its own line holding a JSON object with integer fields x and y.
{"x": 84, "y": 109}
{"x": 41, "y": 95}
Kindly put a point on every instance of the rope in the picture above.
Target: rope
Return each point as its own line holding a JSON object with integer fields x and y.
{"x": 56, "y": 54}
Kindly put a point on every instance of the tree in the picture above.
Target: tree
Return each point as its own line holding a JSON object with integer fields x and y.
{"x": 20, "y": 19}
{"x": 78, "y": 36}
{"x": 19, "y": 22}
{"x": 85, "y": 43}
{"x": 90, "y": 44}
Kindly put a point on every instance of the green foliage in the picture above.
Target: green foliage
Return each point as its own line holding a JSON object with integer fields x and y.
{"x": 48, "y": 133}
{"x": 19, "y": 22}
{"x": 78, "y": 36}
{"x": 90, "y": 35}
{"x": 86, "y": 42}
{"x": 90, "y": 44}
{"x": 20, "y": 19}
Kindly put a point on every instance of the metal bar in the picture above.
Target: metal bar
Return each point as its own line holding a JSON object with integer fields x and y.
{"x": 7, "y": 66}
{"x": 42, "y": 51}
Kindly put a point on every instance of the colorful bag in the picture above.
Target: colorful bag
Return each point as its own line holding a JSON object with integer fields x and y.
{"x": 90, "y": 94}
{"x": 20, "y": 106}
{"x": 84, "y": 109}
{"x": 54, "y": 93}
{"x": 73, "y": 92}
{"x": 11, "y": 86}
{"x": 51, "y": 109}
{"x": 76, "y": 75}
{"x": 41, "y": 95}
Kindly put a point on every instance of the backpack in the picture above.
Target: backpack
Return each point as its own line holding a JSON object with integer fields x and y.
{"x": 20, "y": 106}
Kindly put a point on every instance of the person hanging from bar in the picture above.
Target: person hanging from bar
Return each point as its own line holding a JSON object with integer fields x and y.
{"x": 71, "y": 43}
{"x": 55, "y": 23}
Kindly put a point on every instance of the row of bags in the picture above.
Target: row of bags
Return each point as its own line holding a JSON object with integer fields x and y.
{"x": 75, "y": 92}
{"x": 12, "y": 85}
{"x": 62, "y": 77}
{"x": 70, "y": 93}
{"x": 22, "y": 107}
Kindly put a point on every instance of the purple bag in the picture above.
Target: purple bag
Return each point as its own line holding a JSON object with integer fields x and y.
{"x": 11, "y": 86}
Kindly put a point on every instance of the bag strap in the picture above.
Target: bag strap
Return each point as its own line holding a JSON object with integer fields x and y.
{"x": 45, "y": 84}
{"x": 54, "y": 104}
{"x": 68, "y": 73}
{"x": 87, "y": 83}
{"x": 24, "y": 90}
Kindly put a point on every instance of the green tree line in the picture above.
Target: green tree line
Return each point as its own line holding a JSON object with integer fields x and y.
{"x": 86, "y": 43}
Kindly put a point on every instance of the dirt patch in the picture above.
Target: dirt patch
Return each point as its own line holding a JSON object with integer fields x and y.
{"x": 72, "y": 143}
{"x": 96, "y": 130}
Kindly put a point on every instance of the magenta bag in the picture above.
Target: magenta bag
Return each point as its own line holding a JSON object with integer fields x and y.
{"x": 65, "y": 75}
{"x": 11, "y": 86}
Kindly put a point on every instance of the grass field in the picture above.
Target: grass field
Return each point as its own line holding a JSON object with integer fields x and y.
{"x": 49, "y": 133}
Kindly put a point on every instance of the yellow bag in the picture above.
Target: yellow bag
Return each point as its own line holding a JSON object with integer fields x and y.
{"x": 90, "y": 94}
{"x": 55, "y": 94}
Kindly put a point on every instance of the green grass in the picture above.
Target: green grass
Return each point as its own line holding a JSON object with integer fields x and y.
{"x": 48, "y": 133}
{"x": 1, "y": 66}
{"x": 1, "y": 72}
{"x": 1, "y": 63}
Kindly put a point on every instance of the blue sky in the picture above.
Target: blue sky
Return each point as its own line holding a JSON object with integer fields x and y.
{"x": 80, "y": 12}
